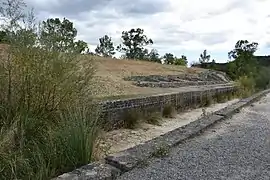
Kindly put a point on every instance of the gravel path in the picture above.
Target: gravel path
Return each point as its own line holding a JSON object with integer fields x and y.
{"x": 235, "y": 149}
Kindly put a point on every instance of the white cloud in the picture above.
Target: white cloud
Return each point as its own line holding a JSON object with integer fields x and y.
{"x": 177, "y": 26}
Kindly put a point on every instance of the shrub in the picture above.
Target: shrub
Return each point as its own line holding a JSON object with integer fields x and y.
{"x": 153, "y": 118}
{"x": 262, "y": 78}
{"x": 246, "y": 86}
{"x": 161, "y": 151}
{"x": 169, "y": 111}
{"x": 48, "y": 124}
{"x": 208, "y": 101}
{"x": 132, "y": 119}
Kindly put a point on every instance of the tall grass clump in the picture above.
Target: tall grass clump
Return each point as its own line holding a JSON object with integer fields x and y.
{"x": 246, "y": 86}
{"x": 48, "y": 124}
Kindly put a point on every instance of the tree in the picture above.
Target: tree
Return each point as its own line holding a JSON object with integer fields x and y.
{"x": 244, "y": 62}
{"x": 181, "y": 61}
{"x": 154, "y": 56}
{"x": 60, "y": 36}
{"x": 243, "y": 47}
{"x": 204, "y": 58}
{"x": 3, "y": 37}
{"x": 169, "y": 58}
{"x": 105, "y": 48}
{"x": 133, "y": 42}
{"x": 81, "y": 46}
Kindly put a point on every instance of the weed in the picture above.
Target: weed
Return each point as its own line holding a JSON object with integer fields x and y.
{"x": 208, "y": 101}
{"x": 154, "y": 118}
{"x": 48, "y": 124}
{"x": 230, "y": 96}
{"x": 246, "y": 86}
{"x": 169, "y": 111}
{"x": 132, "y": 119}
{"x": 161, "y": 151}
{"x": 221, "y": 98}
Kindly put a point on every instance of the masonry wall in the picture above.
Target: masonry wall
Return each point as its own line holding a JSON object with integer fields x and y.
{"x": 114, "y": 112}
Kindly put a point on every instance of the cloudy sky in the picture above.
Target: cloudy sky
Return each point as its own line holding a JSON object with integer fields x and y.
{"x": 177, "y": 26}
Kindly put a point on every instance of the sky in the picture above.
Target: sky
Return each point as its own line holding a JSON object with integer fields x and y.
{"x": 181, "y": 27}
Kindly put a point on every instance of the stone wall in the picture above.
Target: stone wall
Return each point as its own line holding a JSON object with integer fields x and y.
{"x": 114, "y": 112}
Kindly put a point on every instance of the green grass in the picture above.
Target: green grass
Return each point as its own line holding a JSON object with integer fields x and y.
{"x": 47, "y": 123}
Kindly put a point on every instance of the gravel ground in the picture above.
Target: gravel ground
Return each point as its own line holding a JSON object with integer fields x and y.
{"x": 235, "y": 149}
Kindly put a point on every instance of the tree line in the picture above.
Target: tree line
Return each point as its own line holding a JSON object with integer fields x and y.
{"x": 60, "y": 35}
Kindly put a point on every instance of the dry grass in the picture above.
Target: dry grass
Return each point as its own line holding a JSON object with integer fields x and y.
{"x": 110, "y": 73}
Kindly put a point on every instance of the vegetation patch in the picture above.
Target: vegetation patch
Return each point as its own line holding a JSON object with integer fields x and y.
{"x": 154, "y": 118}
{"x": 132, "y": 118}
{"x": 162, "y": 151}
{"x": 169, "y": 111}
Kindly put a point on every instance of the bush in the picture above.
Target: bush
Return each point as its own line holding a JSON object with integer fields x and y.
{"x": 169, "y": 111}
{"x": 44, "y": 119}
{"x": 153, "y": 118}
{"x": 132, "y": 119}
{"x": 207, "y": 101}
{"x": 262, "y": 79}
{"x": 246, "y": 86}
{"x": 48, "y": 124}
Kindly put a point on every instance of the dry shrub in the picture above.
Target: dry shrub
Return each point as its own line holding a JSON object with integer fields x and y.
{"x": 169, "y": 111}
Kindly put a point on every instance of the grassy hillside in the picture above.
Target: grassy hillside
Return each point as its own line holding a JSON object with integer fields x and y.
{"x": 110, "y": 73}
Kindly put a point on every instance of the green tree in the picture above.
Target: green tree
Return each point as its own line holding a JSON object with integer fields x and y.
{"x": 60, "y": 36}
{"x": 105, "y": 48}
{"x": 133, "y": 43}
{"x": 3, "y": 37}
{"x": 244, "y": 63}
{"x": 81, "y": 46}
{"x": 154, "y": 56}
{"x": 204, "y": 57}
{"x": 181, "y": 61}
{"x": 169, "y": 58}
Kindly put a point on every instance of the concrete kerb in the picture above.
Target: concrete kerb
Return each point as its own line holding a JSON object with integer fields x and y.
{"x": 121, "y": 162}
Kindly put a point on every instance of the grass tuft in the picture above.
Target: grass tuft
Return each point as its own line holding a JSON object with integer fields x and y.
{"x": 169, "y": 111}
{"x": 132, "y": 119}
{"x": 161, "y": 151}
{"x": 154, "y": 118}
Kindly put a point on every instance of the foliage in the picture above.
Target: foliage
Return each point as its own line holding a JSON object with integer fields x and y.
{"x": 132, "y": 119}
{"x": 162, "y": 151}
{"x": 154, "y": 56}
{"x": 153, "y": 118}
{"x": 244, "y": 63}
{"x": 246, "y": 86}
{"x": 3, "y": 37}
{"x": 181, "y": 61}
{"x": 47, "y": 122}
{"x": 133, "y": 42}
{"x": 105, "y": 48}
{"x": 57, "y": 35}
{"x": 262, "y": 78}
{"x": 169, "y": 111}
{"x": 204, "y": 57}
{"x": 169, "y": 58}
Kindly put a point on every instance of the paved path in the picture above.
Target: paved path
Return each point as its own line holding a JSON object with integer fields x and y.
{"x": 235, "y": 149}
